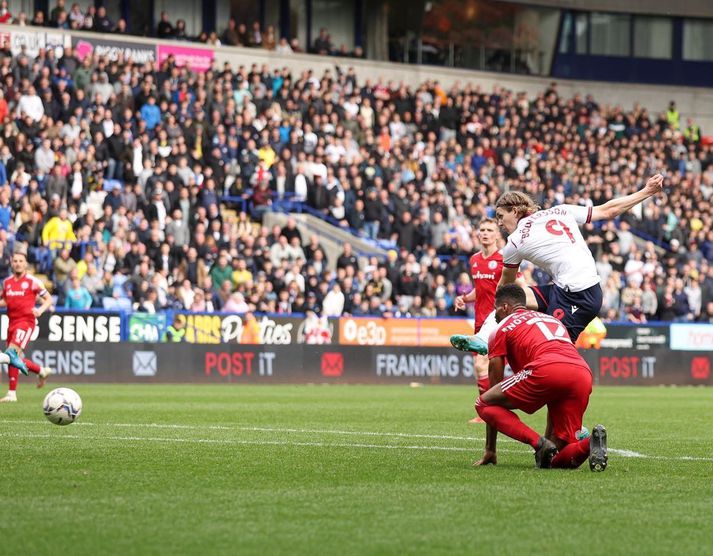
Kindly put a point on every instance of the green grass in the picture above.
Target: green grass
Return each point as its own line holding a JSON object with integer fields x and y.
{"x": 233, "y": 480}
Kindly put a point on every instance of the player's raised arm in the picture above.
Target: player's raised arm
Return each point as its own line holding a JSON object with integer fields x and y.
{"x": 615, "y": 207}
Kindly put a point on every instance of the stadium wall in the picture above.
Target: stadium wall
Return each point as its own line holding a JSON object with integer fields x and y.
{"x": 693, "y": 102}
{"x": 111, "y": 347}
{"x": 689, "y": 8}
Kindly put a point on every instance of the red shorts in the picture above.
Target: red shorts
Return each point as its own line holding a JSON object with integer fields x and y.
{"x": 562, "y": 387}
{"x": 20, "y": 334}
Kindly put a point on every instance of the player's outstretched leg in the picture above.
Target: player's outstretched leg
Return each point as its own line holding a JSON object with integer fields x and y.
{"x": 42, "y": 376}
{"x": 15, "y": 360}
{"x": 598, "y": 449}
{"x": 463, "y": 342}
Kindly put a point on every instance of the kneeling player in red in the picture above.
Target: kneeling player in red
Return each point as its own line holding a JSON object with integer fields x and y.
{"x": 548, "y": 372}
{"x": 19, "y": 294}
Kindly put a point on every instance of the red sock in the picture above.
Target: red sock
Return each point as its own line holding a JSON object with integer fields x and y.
{"x": 13, "y": 374}
{"x": 32, "y": 366}
{"x": 483, "y": 385}
{"x": 572, "y": 456}
{"x": 506, "y": 422}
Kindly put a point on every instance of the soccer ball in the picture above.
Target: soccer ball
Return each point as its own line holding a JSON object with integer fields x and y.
{"x": 62, "y": 406}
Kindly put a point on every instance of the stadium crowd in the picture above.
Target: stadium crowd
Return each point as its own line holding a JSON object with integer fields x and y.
{"x": 115, "y": 174}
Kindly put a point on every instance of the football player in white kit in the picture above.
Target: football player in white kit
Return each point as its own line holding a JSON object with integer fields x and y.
{"x": 551, "y": 239}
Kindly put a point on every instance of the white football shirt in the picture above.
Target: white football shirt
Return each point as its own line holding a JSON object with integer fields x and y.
{"x": 551, "y": 240}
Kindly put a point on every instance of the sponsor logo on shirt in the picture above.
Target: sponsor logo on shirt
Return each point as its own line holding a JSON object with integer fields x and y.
{"x": 14, "y": 293}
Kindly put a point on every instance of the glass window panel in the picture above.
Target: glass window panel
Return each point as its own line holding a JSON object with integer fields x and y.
{"x": 566, "y": 33}
{"x": 610, "y": 34}
{"x": 336, "y": 17}
{"x": 653, "y": 37}
{"x": 580, "y": 29}
{"x": 698, "y": 39}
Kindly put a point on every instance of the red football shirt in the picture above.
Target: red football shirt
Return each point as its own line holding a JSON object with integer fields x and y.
{"x": 529, "y": 339}
{"x": 485, "y": 273}
{"x": 20, "y": 294}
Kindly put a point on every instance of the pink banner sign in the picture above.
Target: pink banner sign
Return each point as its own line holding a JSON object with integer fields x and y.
{"x": 197, "y": 59}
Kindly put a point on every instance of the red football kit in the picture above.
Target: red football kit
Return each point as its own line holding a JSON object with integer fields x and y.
{"x": 20, "y": 295}
{"x": 548, "y": 369}
{"x": 485, "y": 273}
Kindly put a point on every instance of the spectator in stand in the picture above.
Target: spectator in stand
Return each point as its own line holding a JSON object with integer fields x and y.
{"x": 180, "y": 33}
{"x": 30, "y": 105}
{"x": 77, "y": 296}
{"x": 230, "y": 34}
{"x": 76, "y": 17}
{"x": 322, "y": 44}
{"x": 58, "y": 230}
{"x": 707, "y": 315}
{"x": 39, "y": 19}
{"x": 213, "y": 39}
{"x": 90, "y": 18}
{"x": 255, "y": 36}
{"x": 269, "y": 41}
{"x": 243, "y": 35}
{"x": 164, "y": 28}
{"x": 283, "y": 47}
{"x": 102, "y": 23}
{"x": 55, "y": 13}
{"x": 5, "y": 15}
{"x": 121, "y": 27}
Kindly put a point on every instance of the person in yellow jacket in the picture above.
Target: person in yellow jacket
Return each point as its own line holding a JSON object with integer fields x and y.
{"x": 592, "y": 335}
{"x": 58, "y": 231}
{"x": 673, "y": 116}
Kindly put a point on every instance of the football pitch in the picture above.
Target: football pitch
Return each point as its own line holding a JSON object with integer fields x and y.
{"x": 344, "y": 470}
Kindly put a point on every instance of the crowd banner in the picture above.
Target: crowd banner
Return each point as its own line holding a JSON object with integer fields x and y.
{"x": 113, "y": 49}
{"x": 659, "y": 367}
{"x": 258, "y": 329}
{"x": 199, "y": 60}
{"x": 71, "y": 326}
{"x": 145, "y": 327}
{"x": 696, "y": 337}
{"x": 367, "y": 331}
{"x": 30, "y": 42}
{"x": 642, "y": 338}
{"x": 182, "y": 362}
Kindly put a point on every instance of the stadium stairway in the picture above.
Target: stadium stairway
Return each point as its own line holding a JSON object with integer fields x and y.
{"x": 331, "y": 237}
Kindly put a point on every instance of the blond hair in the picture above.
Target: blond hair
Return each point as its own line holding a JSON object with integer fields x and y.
{"x": 518, "y": 202}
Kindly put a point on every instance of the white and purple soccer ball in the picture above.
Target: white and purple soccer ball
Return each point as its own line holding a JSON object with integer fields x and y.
{"x": 62, "y": 406}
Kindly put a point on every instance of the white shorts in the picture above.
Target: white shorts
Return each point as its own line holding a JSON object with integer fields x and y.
{"x": 488, "y": 327}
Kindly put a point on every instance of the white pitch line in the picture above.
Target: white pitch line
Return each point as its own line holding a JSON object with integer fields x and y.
{"x": 271, "y": 429}
{"x": 632, "y": 454}
{"x": 613, "y": 451}
{"x": 248, "y": 442}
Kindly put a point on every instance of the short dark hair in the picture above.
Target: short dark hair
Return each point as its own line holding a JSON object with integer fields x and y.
{"x": 511, "y": 293}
